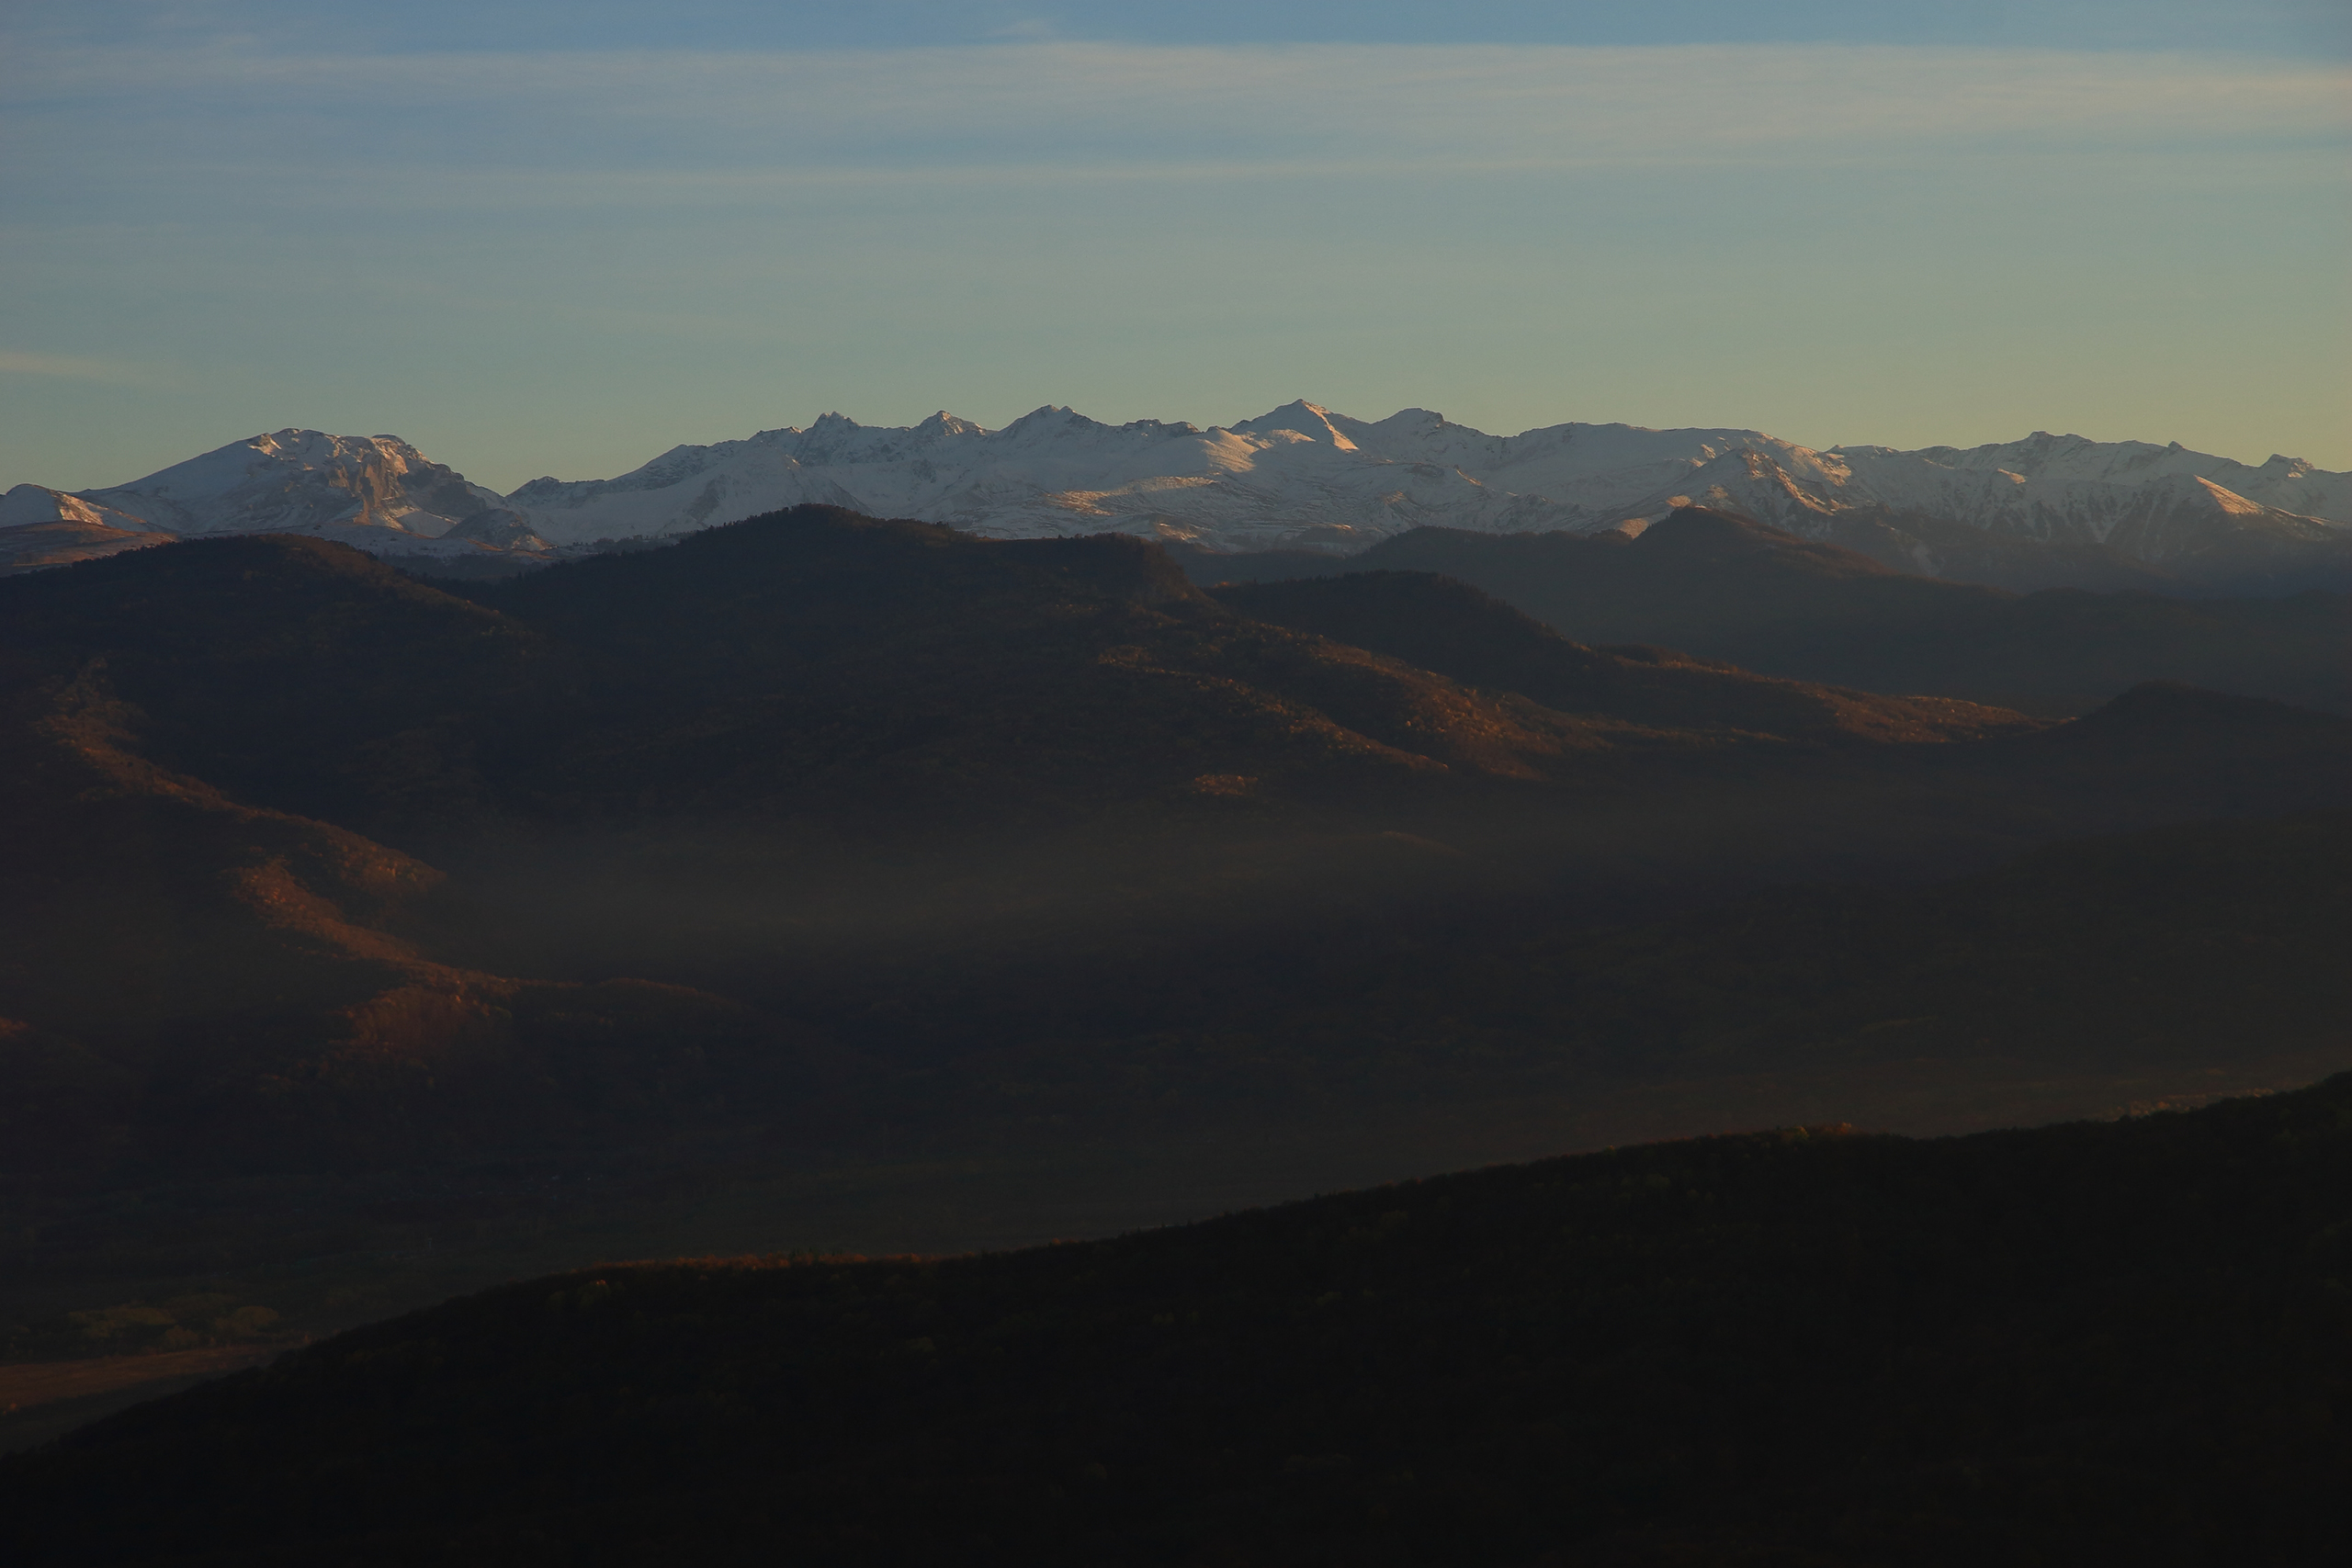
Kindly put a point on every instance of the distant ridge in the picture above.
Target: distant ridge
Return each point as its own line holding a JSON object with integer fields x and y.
{"x": 1440, "y": 624}
{"x": 2045, "y": 510}
{"x": 1720, "y": 586}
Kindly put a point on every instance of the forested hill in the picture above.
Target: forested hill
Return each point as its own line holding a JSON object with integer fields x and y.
{"x": 1438, "y": 622}
{"x": 2119, "y": 1342}
{"x": 1724, "y": 586}
{"x": 312, "y": 863}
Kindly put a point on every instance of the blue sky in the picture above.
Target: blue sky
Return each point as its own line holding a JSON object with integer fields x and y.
{"x": 540, "y": 240}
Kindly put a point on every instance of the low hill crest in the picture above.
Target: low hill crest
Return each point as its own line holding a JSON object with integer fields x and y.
{"x": 1504, "y": 1365}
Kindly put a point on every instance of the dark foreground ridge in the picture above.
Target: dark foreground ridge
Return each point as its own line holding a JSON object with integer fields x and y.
{"x": 2118, "y": 1342}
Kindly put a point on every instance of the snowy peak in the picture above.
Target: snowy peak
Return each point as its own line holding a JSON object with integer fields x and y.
{"x": 1301, "y": 418}
{"x": 27, "y": 507}
{"x": 2280, "y": 484}
{"x": 1301, "y": 476}
{"x": 1305, "y": 476}
{"x": 376, "y": 492}
{"x": 300, "y": 481}
{"x": 943, "y": 424}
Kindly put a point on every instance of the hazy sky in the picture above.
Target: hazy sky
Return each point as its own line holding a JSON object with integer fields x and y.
{"x": 559, "y": 239}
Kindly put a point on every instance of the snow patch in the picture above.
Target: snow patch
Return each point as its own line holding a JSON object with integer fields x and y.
{"x": 1302, "y": 475}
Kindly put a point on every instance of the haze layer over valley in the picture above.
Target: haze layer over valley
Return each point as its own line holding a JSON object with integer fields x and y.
{"x": 819, "y": 877}
{"x": 833, "y": 832}
{"x": 2044, "y": 510}
{"x": 1851, "y": 874}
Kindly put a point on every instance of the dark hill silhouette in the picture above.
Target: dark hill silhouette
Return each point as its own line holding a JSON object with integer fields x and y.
{"x": 1724, "y": 587}
{"x": 215, "y": 954}
{"x": 287, "y": 817}
{"x": 1964, "y": 554}
{"x": 821, "y": 844}
{"x": 1449, "y": 627}
{"x": 896, "y": 670}
{"x": 1032, "y": 677}
{"x": 196, "y": 983}
{"x": 292, "y": 673}
{"x": 2118, "y": 1342}
{"x": 36, "y": 546}
{"x": 1959, "y": 554}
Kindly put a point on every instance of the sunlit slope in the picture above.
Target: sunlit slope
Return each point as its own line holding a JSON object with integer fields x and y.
{"x": 1724, "y": 587}
{"x": 193, "y": 981}
{"x": 2129, "y": 1341}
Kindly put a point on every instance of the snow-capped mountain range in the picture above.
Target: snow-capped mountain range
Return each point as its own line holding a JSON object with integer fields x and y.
{"x": 1299, "y": 477}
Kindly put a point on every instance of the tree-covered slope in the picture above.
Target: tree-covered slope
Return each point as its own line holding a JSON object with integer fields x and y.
{"x": 812, "y": 663}
{"x": 2093, "y": 1342}
{"x": 1440, "y": 624}
{"x": 1722, "y": 586}
{"x": 314, "y": 861}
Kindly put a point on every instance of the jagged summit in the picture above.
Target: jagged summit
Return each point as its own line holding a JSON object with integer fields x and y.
{"x": 1301, "y": 476}
{"x": 1300, "y": 418}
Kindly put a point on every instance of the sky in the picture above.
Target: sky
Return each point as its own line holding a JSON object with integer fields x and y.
{"x": 541, "y": 239}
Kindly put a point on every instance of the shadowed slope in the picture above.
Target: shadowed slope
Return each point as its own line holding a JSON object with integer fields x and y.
{"x": 293, "y": 674}
{"x": 1071, "y": 860}
{"x": 1725, "y": 587}
{"x": 1449, "y": 627}
{"x": 34, "y": 547}
{"x": 1040, "y": 675}
{"x": 198, "y": 981}
{"x": 2124, "y": 1341}
{"x": 807, "y": 663}
{"x": 202, "y": 963}
{"x": 954, "y": 799}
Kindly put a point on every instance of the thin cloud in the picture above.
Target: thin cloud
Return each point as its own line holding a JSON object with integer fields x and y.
{"x": 72, "y": 368}
{"x": 388, "y": 188}
{"x": 1029, "y": 30}
{"x": 996, "y": 102}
